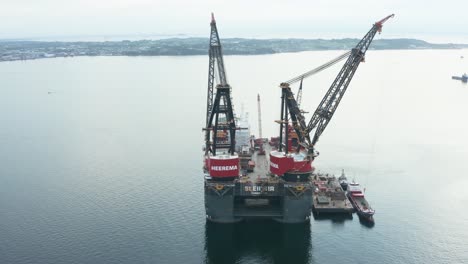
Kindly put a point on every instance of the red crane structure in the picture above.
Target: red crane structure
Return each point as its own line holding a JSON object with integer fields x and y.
{"x": 297, "y": 164}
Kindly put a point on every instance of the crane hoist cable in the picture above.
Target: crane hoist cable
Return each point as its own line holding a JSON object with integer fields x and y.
{"x": 312, "y": 72}
{"x": 318, "y": 69}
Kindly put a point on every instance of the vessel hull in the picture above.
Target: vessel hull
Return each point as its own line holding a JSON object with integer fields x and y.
{"x": 365, "y": 214}
{"x": 235, "y": 201}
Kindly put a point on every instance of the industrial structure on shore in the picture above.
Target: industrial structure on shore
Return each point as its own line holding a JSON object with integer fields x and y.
{"x": 243, "y": 183}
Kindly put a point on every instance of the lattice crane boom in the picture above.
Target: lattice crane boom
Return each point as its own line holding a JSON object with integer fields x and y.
{"x": 216, "y": 66}
{"x": 332, "y": 98}
{"x": 219, "y": 112}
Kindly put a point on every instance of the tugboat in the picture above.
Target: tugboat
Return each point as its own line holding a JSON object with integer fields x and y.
{"x": 343, "y": 181}
{"x": 356, "y": 197}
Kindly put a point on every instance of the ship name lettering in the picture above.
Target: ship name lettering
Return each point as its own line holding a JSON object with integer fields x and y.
{"x": 224, "y": 168}
{"x": 256, "y": 188}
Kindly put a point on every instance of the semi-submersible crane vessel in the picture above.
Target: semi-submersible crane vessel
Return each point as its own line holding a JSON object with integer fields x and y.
{"x": 279, "y": 185}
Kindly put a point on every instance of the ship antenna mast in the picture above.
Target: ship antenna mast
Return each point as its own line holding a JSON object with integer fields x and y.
{"x": 259, "y": 117}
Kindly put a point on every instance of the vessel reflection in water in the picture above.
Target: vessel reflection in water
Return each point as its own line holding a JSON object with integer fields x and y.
{"x": 257, "y": 242}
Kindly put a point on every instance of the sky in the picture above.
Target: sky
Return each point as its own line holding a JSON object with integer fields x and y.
{"x": 57, "y": 19}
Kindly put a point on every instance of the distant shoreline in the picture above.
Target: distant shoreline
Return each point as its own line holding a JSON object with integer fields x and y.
{"x": 11, "y": 50}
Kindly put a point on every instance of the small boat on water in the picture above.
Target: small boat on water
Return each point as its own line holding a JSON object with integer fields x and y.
{"x": 463, "y": 78}
{"x": 356, "y": 197}
{"x": 343, "y": 181}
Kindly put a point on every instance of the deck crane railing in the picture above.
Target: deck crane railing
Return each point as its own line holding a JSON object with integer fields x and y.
{"x": 332, "y": 98}
{"x": 219, "y": 102}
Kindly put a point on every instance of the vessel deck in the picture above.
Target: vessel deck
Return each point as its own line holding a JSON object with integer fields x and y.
{"x": 331, "y": 200}
{"x": 335, "y": 206}
{"x": 261, "y": 169}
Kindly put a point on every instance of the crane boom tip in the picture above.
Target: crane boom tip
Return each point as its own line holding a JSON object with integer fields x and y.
{"x": 380, "y": 22}
{"x": 212, "y": 18}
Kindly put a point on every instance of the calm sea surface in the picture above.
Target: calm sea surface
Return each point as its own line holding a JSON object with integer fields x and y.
{"x": 100, "y": 160}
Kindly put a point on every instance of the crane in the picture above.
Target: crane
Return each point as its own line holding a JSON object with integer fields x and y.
{"x": 330, "y": 101}
{"x": 215, "y": 58}
{"x": 219, "y": 102}
{"x": 297, "y": 102}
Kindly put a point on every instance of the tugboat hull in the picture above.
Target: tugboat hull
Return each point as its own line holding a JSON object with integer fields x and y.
{"x": 356, "y": 197}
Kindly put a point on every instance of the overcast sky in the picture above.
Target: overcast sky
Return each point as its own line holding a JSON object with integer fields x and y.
{"x": 236, "y": 18}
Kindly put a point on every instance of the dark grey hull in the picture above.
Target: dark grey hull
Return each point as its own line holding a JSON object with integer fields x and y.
{"x": 285, "y": 202}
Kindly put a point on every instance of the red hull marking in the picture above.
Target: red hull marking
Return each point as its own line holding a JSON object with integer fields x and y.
{"x": 221, "y": 168}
